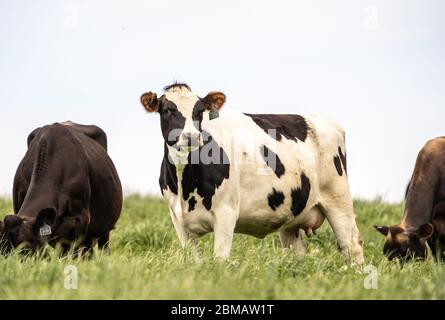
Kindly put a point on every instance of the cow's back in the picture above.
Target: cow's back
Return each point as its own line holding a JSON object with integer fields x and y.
{"x": 106, "y": 190}
{"x": 270, "y": 195}
{"x": 331, "y": 147}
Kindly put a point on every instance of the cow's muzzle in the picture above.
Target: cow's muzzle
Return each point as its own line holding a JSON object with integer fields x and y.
{"x": 190, "y": 140}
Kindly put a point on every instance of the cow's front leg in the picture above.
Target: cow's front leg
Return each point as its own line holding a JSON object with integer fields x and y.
{"x": 224, "y": 228}
{"x": 345, "y": 229}
{"x": 437, "y": 248}
{"x": 183, "y": 237}
{"x": 186, "y": 241}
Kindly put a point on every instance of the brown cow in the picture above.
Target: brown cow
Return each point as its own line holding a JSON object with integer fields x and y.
{"x": 424, "y": 216}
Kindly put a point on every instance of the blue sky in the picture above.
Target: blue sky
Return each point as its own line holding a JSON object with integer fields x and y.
{"x": 377, "y": 67}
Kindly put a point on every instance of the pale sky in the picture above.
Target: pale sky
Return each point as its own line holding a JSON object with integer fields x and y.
{"x": 377, "y": 67}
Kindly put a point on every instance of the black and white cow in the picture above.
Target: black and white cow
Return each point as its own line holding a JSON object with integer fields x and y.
{"x": 226, "y": 171}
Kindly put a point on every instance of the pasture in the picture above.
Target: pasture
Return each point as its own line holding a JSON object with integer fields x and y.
{"x": 146, "y": 262}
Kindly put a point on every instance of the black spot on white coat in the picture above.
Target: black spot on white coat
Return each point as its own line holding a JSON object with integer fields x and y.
{"x": 171, "y": 120}
{"x": 343, "y": 160}
{"x": 192, "y": 203}
{"x": 290, "y": 126}
{"x": 275, "y": 199}
{"x": 337, "y": 164}
{"x": 206, "y": 177}
{"x": 168, "y": 177}
{"x": 340, "y": 163}
{"x": 300, "y": 195}
{"x": 272, "y": 160}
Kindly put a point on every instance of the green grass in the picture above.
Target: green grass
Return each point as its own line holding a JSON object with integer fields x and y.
{"x": 146, "y": 262}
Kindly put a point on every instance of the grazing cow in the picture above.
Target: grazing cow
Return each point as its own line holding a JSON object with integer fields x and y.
{"x": 66, "y": 190}
{"x": 226, "y": 172}
{"x": 424, "y": 215}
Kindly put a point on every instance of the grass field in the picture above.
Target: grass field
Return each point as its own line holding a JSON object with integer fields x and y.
{"x": 146, "y": 262}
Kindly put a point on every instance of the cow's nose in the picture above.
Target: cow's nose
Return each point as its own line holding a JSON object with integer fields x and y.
{"x": 191, "y": 137}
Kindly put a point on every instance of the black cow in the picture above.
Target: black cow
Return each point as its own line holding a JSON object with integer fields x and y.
{"x": 66, "y": 190}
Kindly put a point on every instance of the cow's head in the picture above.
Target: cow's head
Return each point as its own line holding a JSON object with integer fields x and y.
{"x": 181, "y": 113}
{"x": 32, "y": 233}
{"x": 403, "y": 244}
{"x": 28, "y": 232}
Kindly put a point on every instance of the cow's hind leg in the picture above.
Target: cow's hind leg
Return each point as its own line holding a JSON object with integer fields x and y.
{"x": 437, "y": 247}
{"x": 338, "y": 209}
{"x": 436, "y": 241}
{"x": 224, "y": 228}
{"x": 293, "y": 239}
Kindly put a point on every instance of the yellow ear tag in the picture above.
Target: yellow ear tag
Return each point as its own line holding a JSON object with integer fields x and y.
{"x": 45, "y": 230}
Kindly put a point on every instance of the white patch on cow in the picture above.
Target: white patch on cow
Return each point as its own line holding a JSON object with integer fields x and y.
{"x": 184, "y": 100}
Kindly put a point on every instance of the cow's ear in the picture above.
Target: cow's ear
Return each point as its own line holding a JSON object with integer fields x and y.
{"x": 214, "y": 100}
{"x": 382, "y": 230}
{"x": 425, "y": 230}
{"x": 45, "y": 216}
{"x": 12, "y": 221}
{"x": 150, "y": 101}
